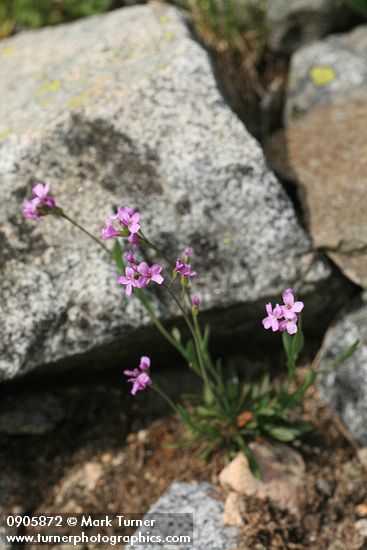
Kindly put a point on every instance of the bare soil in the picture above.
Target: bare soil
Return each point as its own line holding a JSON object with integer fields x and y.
{"x": 102, "y": 460}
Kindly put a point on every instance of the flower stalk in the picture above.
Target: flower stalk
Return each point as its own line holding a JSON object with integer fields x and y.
{"x": 224, "y": 412}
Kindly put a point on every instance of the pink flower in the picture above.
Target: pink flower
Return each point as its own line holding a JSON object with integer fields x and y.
{"x": 128, "y": 279}
{"x": 272, "y": 320}
{"x": 184, "y": 269}
{"x": 109, "y": 232}
{"x": 125, "y": 221}
{"x": 41, "y": 204}
{"x": 284, "y": 317}
{"x": 149, "y": 274}
{"x": 187, "y": 253}
{"x": 290, "y": 325}
{"x": 144, "y": 363}
{"x": 290, "y": 307}
{"x": 134, "y": 372}
{"x": 30, "y": 209}
{"x": 130, "y": 258}
{"x": 139, "y": 377}
{"x": 133, "y": 240}
{"x": 140, "y": 382}
{"x": 129, "y": 218}
{"x": 41, "y": 191}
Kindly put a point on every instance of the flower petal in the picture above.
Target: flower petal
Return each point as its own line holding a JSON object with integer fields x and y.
{"x": 266, "y": 322}
{"x": 291, "y": 328}
{"x": 143, "y": 269}
{"x": 277, "y": 311}
{"x": 288, "y": 298}
{"x": 134, "y": 227}
{"x": 157, "y": 279}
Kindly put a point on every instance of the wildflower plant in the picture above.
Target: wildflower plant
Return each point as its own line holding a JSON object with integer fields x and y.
{"x": 224, "y": 412}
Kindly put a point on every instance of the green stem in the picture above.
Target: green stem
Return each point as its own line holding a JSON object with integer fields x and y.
{"x": 100, "y": 243}
{"x": 182, "y": 309}
{"x": 151, "y": 245}
{"x": 195, "y": 338}
{"x": 161, "y": 328}
{"x": 156, "y": 388}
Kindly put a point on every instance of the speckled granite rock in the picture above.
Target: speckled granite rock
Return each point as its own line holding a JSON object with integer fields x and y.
{"x": 124, "y": 109}
{"x": 293, "y": 23}
{"x": 196, "y": 499}
{"x": 333, "y": 70}
{"x": 345, "y": 387}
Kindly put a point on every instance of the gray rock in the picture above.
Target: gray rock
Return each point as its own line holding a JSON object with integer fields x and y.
{"x": 124, "y": 109}
{"x": 333, "y": 70}
{"x": 293, "y": 23}
{"x": 4, "y": 495}
{"x": 345, "y": 387}
{"x": 196, "y": 499}
{"x": 3, "y": 544}
{"x": 361, "y": 527}
{"x": 332, "y": 188}
{"x": 325, "y": 113}
{"x": 34, "y": 413}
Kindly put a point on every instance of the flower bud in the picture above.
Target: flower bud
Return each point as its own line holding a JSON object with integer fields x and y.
{"x": 195, "y": 301}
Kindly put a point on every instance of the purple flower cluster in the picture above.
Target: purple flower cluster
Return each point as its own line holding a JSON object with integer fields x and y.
{"x": 283, "y": 317}
{"x": 139, "y": 377}
{"x": 183, "y": 267}
{"x": 139, "y": 275}
{"x": 40, "y": 204}
{"x": 124, "y": 223}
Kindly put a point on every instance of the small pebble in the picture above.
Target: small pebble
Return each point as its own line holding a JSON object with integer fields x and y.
{"x": 361, "y": 527}
{"x": 106, "y": 458}
{"x": 361, "y": 510}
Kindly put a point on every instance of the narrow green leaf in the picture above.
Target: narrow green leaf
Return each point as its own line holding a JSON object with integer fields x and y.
{"x": 281, "y": 433}
{"x": 176, "y": 334}
{"x": 117, "y": 256}
{"x": 248, "y": 454}
{"x": 265, "y": 412}
{"x": 298, "y": 341}
{"x": 264, "y": 385}
{"x": 287, "y": 344}
{"x": 346, "y": 354}
{"x": 206, "y": 336}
